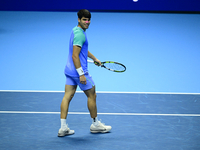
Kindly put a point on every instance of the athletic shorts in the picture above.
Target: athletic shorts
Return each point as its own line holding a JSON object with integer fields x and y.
{"x": 76, "y": 81}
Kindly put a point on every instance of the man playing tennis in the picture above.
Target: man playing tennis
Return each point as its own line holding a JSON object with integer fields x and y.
{"x": 76, "y": 72}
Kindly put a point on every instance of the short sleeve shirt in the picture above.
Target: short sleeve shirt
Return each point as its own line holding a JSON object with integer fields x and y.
{"x": 78, "y": 37}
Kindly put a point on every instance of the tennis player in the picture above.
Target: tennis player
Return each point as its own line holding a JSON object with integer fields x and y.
{"x": 77, "y": 74}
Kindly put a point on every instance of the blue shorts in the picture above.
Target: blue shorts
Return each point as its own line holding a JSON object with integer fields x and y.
{"x": 76, "y": 81}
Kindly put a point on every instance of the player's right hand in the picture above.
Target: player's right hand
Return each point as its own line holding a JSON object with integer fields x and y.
{"x": 82, "y": 79}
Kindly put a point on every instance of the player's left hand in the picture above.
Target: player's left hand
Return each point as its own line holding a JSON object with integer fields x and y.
{"x": 97, "y": 62}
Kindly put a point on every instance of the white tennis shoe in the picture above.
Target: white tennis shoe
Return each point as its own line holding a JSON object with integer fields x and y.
{"x": 65, "y": 132}
{"x": 100, "y": 128}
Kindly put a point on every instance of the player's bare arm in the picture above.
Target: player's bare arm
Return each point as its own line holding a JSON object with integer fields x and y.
{"x": 77, "y": 63}
{"x": 90, "y": 55}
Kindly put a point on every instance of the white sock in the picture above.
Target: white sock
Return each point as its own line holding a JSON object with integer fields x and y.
{"x": 95, "y": 121}
{"x": 63, "y": 124}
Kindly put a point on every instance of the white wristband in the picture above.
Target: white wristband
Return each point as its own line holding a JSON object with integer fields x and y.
{"x": 80, "y": 71}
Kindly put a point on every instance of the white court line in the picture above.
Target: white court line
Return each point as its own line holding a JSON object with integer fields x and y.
{"x": 100, "y": 92}
{"x": 87, "y": 113}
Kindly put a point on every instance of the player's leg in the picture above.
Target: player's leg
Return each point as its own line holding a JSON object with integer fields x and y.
{"x": 96, "y": 126}
{"x": 69, "y": 93}
{"x": 91, "y": 95}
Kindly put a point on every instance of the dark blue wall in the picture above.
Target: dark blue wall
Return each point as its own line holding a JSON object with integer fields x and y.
{"x": 102, "y": 5}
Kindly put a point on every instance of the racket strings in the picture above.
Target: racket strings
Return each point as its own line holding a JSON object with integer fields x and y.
{"x": 114, "y": 66}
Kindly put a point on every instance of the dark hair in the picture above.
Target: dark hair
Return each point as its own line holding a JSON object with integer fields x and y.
{"x": 84, "y": 13}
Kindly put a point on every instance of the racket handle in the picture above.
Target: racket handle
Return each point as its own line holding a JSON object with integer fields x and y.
{"x": 90, "y": 61}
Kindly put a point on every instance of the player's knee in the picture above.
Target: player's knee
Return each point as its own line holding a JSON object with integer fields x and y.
{"x": 71, "y": 96}
{"x": 95, "y": 95}
{"x": 92, "y": 97}
{"x": 68, "y": 96}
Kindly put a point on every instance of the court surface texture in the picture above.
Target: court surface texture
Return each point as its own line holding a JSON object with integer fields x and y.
{"x": 140, "y": 121}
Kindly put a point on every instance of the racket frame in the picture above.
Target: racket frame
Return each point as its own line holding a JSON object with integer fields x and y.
{"x": 102, "y": 65}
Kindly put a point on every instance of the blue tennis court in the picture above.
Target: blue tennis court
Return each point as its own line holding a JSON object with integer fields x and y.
{"x": 150, "y": 121}
{"x": 155, "y": 104}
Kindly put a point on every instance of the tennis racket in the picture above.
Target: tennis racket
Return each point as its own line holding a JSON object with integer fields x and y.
{"x": 111, "y": 65}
